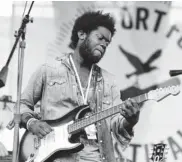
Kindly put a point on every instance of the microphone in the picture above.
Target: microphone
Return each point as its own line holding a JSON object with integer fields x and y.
{"x": 175, "y": 72}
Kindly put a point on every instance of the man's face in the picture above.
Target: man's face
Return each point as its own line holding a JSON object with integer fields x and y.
{"x": 94, "y": 46}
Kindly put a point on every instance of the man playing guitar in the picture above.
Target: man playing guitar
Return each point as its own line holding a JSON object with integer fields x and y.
{"x": 74, "y": 80}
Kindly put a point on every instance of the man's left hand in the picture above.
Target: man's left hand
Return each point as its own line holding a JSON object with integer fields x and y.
{"x": 131, "y": 111}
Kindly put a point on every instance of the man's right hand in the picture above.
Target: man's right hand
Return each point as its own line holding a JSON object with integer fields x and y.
{"x": 40, "y": 128}
{"x": 3, "y": 151}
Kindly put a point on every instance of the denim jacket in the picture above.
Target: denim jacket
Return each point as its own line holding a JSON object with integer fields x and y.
{"x": 54, "y": 85}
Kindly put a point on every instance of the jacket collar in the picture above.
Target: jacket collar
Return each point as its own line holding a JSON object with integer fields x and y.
{"x": 65, "y": 60}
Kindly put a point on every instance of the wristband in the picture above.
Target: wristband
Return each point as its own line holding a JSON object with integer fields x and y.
{"x": 24, "y": 119}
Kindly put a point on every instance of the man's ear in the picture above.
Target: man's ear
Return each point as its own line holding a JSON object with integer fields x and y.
{"x": 81, "y": 35}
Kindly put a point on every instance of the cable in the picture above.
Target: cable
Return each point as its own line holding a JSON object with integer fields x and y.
{"x": 24, "y": 9}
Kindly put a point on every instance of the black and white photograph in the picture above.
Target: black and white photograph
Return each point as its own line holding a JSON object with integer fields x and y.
{"x": 90, "y": 81}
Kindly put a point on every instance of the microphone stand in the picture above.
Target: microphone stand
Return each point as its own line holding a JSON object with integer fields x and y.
{"x": 17, "y": 116}
{"x": 4, "y": 70}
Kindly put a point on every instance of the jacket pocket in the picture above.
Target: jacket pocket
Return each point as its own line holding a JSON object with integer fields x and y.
{"x": 53, "y": 82}
{"x": 57, "y": 89}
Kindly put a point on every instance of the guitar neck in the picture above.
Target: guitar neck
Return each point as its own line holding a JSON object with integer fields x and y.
{"x": 84, "y": 122}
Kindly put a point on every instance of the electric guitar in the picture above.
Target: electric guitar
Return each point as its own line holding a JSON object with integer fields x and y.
{"x": 61, "y": 141}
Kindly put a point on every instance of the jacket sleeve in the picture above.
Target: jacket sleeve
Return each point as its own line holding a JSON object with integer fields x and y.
{"x": 33, "y": 91}
{"x": 119, "y": 132}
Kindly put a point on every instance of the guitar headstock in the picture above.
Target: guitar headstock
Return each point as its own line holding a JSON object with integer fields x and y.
{"x": 161, "y": 93}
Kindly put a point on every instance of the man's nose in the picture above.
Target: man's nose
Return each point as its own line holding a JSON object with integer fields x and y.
{"x": 103, "y": 46}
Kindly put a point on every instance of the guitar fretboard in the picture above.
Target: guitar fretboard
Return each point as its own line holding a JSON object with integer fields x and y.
{"x": 84, "y": 122}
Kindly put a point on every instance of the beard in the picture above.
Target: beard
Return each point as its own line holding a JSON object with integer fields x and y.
{"x": 87, "y": 53}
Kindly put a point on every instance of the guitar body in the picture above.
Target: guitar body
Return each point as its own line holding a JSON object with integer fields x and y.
{"x": 55, "y": 144}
